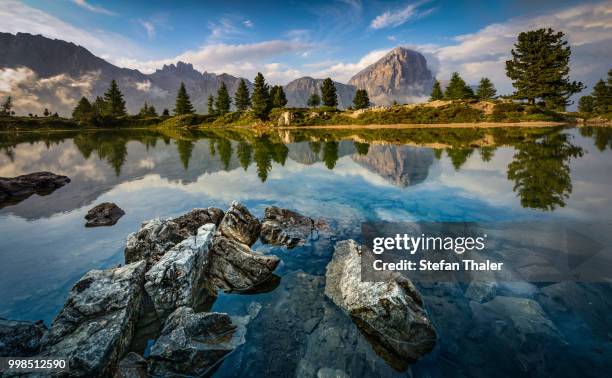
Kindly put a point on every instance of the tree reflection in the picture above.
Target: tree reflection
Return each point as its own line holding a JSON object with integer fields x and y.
{"x": 487, "y": 153}
{"x": 185, "y": 149}
{"x": 330, "y": 154}
{"x": 459, "y": 156}
{"x": 224, "y": 147}
{"x": 541, "y": 173}
{"x": 362, "y": 148}
{"x": 602, "y": 136}
{"x": 244, "y": 151}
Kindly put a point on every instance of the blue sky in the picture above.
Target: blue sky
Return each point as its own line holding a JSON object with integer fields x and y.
{"x": 288, "y": 39}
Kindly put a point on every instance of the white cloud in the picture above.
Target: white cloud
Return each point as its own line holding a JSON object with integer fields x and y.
{"x": 84, "y": 4}
{"x": 149, "y": 27}
{"x": 248, "y": 23}
{"x": 391, "y": 19}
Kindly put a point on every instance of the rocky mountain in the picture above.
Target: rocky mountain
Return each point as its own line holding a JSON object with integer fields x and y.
{"x": 402, "y": 75}
{"x": 299, "y": 90}
{"x": 49, "y": 73}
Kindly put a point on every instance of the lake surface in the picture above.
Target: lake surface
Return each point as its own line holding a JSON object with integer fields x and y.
{"x": 347, "y": 177}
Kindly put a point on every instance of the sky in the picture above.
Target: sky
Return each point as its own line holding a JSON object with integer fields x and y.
{"x": 332, "y": 38}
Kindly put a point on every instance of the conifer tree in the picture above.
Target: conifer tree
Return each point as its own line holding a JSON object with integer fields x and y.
{"x": 277, "y": 94}
{"x": 98, "y": 107}
{"x": 486, "y": 90}
{"x": 152, "y": 112}
{"x": 183, "y": 103}
{"x": 585, "y": 104}
{"x": 457, "y": 89}
{"x": 7, "y": 106}
{"x": 165, "y": 112}
{"x": 114, "y": 102}
{"x": 242, "y": 99}
{"x": 361, "y": 100}
{"x": 539, "y": 68}
{"x": 436, "y": 92}
{"x": 211, "y": 105}
{"x": 83, "y": 110}
{"x": 314, "y": 100}
{"x": 46, "y": 113}
{"x": 223, "y": 100}
{"x": 601, "y": 98}
{"x": 260, "y": 101}
{"x": 328, "y": 93}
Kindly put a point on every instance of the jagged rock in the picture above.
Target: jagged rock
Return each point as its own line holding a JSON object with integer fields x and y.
{"x": 132, "y": 365}
{"x": 299, "y": 91}
{"x": 176, "y": 279}
{"x": 234, "y": 266}
{"x": 20, "y": 338}
{"x": 16, "y": 189}
{"x": 481, "y": 291}
{"x": 95, "y": 326}
{"x": 104, "y": 214}
{"x": 390, "y": 311}
{"x": 153, "y": 239}
{"x": 190, "y": 222}
{"x": 190, "y": 343}
{"x": 239, "y": 224}
{"x": 288, "y": 228}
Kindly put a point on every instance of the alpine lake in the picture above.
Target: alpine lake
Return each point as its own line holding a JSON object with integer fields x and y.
{"x": 347, "y": 177}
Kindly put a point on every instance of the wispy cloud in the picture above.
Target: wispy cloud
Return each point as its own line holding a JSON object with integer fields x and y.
{"x": 92, "y": 8}
{"x": 248, "y": 23}
{"x": 149, "y": 27}
{"x": 394, "y": 18}
{"x": 342, "y": 71}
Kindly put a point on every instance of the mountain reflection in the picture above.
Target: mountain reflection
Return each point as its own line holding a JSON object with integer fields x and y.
{"x": 539, "y": 168}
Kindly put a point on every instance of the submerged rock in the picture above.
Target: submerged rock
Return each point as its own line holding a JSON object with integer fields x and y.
{"x": 16, "y": 189}
{"x": 288, "y": 228}
{"x": 190, "y": 222}
{"x": 20, "y": 338}
{"x": 234, "y": 266}
{"x": 191, "y": 344}
{"x": 153, "y": 239}
{"x": 95, "y": 326}
{"x": 390, "y": 311}
{"x": 104, "y": 214}
{"x": 239, "y": 224}
{"x": 132, "y": 365}
{"x": 176, "y": 280}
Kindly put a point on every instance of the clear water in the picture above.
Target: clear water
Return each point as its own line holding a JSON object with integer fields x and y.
{"x": 347, "y": 177}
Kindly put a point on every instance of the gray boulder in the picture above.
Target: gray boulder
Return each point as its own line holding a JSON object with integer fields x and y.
{"x": 132, "y": 365}
{"x": 16, "y": 189}
{"x": 104, "y": 214}
{"x": 95, "y": 326}
{"x": 390, "y": 311}
{"x": 234, "y": 266}
{"x": 289, "y": 228}
{"x": 239, "y": 224}
{"x": 176, "y": 279}
{"x": 191, "y": 344}
{"x": 154, "y": 238}
{"x": 189, "y": 223}
{"x": 20, "y": 338}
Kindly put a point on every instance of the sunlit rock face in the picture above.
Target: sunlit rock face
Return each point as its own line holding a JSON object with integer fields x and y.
{"x": 400, "y": 165}
{"x": 402, "y": 75}
{"x": 299, "y": 90}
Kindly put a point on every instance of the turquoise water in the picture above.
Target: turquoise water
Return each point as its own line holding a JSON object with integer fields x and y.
{"x": 547, "y": 174}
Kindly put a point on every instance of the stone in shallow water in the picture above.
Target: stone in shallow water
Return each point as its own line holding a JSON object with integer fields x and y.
{"x": 16, "y": 189}
{"x": 234, "y": 266}
{"x": 239, "y": 224}
{"x": 154, "y": 238}
{"x": 288, "y": 228}
{"x": 97, "y": 322}
{"x": 191, "y": 344}
{"x": 390, "y": 311}
{"x": 190, "y": 222}
{"x": 20, "y": 338}
{"x": 176, "y": 279}
{"x": 104, "y": 214}
{"x": 132, "y": 365}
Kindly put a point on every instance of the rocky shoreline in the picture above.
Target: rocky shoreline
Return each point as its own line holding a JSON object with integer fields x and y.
{"x": 174, "y": 269}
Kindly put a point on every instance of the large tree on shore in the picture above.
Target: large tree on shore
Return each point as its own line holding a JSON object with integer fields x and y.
{"x": 223, "y": 100}
{"x": 457, "y": 89}
{"x": 328, "y": 93}
{"x": 242, "y": 100}
{"x": 7, "y": 107}
{"x": 113, "y": 99}
{"x": 211, "y": 105}
{"x": 539, "y": 68}
{"x": 361, "y": 100}
{"x": 277, "y": 95}
{"x": 183, "y": 103}
{"x": 436, "y": 92}
{"x": 83, "y": 110}
{"x": 486, "y": 89}
{"x": 260, "y": 101}
{"x": 314, "y": 100}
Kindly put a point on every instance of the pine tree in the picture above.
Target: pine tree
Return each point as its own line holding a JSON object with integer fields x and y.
{"x": 211, "y": 105}
{"x": 328, "y": 93}
{"x": 585, "y": 104}
{"x": 46, "y": 113}
{"x": 539, "y": 68}
{"x": 314, "y": 100}
{"x": 113, "y": 99}
{"x": 436, "y": 92}
{"x": 242, "y": 99}
{"x": 223, "y": 100}
{"x": 260, "y": 101}
{"x": 277, "y": 94}
{"x": 152, "y": 112}
{"x": 183, "y": 104}
{"x": 486, "y": 90}
{"x": 7, "y": 107}
{"x": 98, "y": 107}
{"x": 83, "y": 110}
{"x": 601, "y": 98}
{"x": 144, "y": 111}
{"x": 165, "y": 113}
{"x": 457, "y": 89}
{"x": 361, "y": 100}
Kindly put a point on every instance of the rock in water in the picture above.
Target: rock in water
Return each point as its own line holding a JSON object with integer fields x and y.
{"x": 234, "y": 266}
{"x": 104, "y": 214}
{"x": 239, "y": 224}
{"x": 190, "y": 222}
{"x": 16, "y": 189}
{"x": 390, "y": 311}
{"x": 191, "y": 344}
{"x": 132, "y": 366}
{"x": 176, "y": 280}
{"x": 20, "y": 338}
{"x": 153, "y": 239}
{"x": 95, "y": 326}
{"x": 286, "y": 227}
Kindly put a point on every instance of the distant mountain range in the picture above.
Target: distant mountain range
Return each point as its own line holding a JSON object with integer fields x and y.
{"x": 47, "y": 73}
